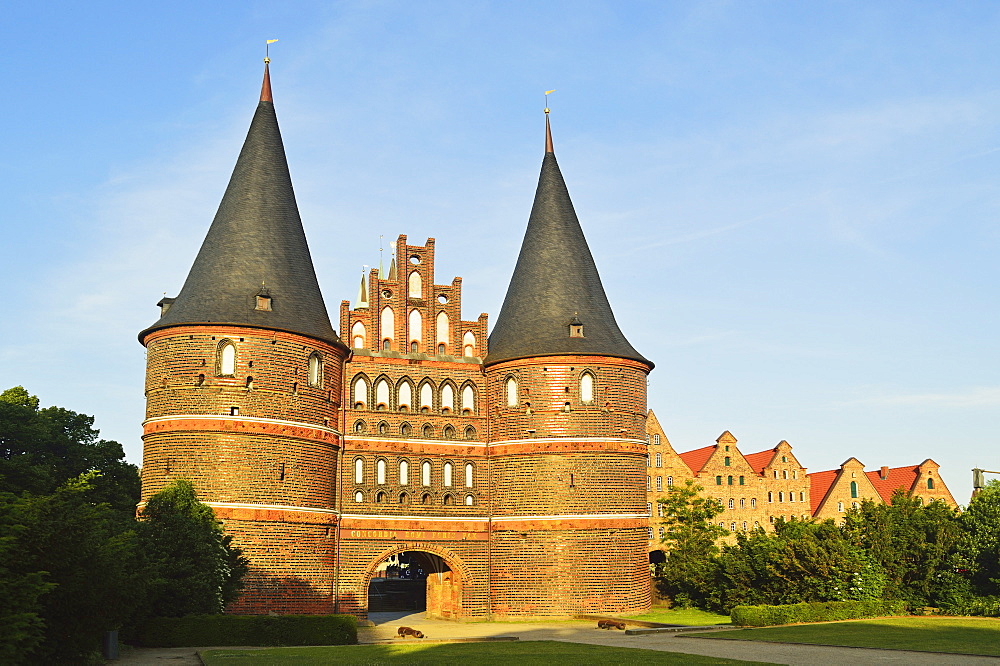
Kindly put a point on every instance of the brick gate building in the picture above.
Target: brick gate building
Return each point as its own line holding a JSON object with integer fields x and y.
{"x": 509, "y": 470}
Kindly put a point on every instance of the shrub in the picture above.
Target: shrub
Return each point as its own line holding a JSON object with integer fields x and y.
{"x": 766, "y": 616}
{"x": 982, "y": 606}
{"x": 250, "y": 630}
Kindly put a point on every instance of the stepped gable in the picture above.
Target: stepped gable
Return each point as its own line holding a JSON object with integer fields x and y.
{"x": 255, "y": 246}
{"x": 555, "y": 283}
{"x": 697, "y": 458}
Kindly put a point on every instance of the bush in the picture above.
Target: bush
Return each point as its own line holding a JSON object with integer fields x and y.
{"x": 982, "y": 606}
{"x": 249, "y": 630}
{"x": 766, "y": 616}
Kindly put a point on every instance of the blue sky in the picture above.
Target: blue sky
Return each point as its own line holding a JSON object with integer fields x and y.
{"x": 793, "y": 206}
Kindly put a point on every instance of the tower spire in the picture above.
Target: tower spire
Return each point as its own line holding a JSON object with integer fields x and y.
{"x": 256, "y": 235}
{"x": 265, "y": 88}
{"x": 555, "y": 304}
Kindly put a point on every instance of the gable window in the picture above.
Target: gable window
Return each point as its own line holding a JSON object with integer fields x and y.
{"x": 732, "y": 504}
{"x": 469, "y": 476}
{"x": 416, "y": 330}
{"x": 443, "y": 335}
{"x": 656, "y": 439}
{"x": 426, "y": 397}
{"x": 404, "y": 397}
{"x": 470, "y": 500}
{"x": 743, "y": 503}
{"x": 388, "y": 322}
{"x": 930, "y": 483}
{"x": 380, "y": 471}
{"x": 447, "y": 473}
{"x": 659, "y": 459}
{"x": 670, "y": 482}
{"x": 315, "y": 369}
{"x": 404, "y": 472}
{"x": 659, "y": 483}
{"x": 358, "y": 334}
{"x": 784, "y": 473}
{"x": 227, "y": 358}
{"x": 727, "y": 461}
{"x": 781, "y": 497}
{"x": 649, "y": 483}
{"x": 359, "y": 470}
{"x": 382, "y": 395}
{"x": 359, "y": 497}
{"x": 729, "y": 480}
{"x": 718, "y": 480}
{"x": 742, "y": 481}
{"x": 416, "y": 284}
{"x": 753, "y": 502}
{"x": 468, "y": 344}
{"x": 360, "y": 393}
{"x": 447, "y": 398}
{"x": 770, "y": 496}
{"x": 854, "y": 488}
{"x": 425, "y": 473}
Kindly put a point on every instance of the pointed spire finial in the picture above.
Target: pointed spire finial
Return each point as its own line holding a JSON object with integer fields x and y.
{"x": 265, "y": 89}
{"x": 548, "y": 128}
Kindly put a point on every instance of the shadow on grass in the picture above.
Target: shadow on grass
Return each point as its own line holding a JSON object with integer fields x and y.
{"x": 955, "y": 635}
{"x": 482, "y": 654}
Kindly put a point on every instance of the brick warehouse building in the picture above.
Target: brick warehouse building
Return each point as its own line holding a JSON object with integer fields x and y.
{"x": 500, "y": 475}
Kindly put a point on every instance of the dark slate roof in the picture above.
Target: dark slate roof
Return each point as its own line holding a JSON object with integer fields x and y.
{"x": 255, "y": 240}
{"x": 554, "y": 281}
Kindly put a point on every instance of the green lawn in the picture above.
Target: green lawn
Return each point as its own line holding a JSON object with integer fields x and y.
{"x": 958, "y": 635}
{"x": 544, "y": 653}
{"x": 687, "y": 616}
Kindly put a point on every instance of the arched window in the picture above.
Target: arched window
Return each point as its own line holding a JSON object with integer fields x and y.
{"x": 784, "y": 473}
{"x": 448, "y": 501}
{"x": 659, "y": 459}
{"x": 416, "y": 327}
{"x": 425, "y": 499}
{"x": 930, "y": 483}
{"x": 359, "y": 426}
{"x": 648, "y": 460}
{"x": 425, "y": 473}
{"x": 382, "y": 394}
{"x": 732, "y": 527}
{"x": 854, "y": 488}
{"x": 468, "y": 400}
{"x": 416, "y": 289}
{"x": 380, "y": 497}
{"x": 743, "y": 503}
{"x": 802, "y": 497}
{"x": 470, "y": 432}
{"x": 358, "y": 334}
{"x": 586, "y": 387}
{"x": 753, "y": 502}
{"x": 447, "y": 398}
{"x": 447, "y": 473}
{"x": 784, "y": 458}
{"x": 729, "y": 480}
{"x": 383, "y": 428}
{"x": 380, "y": 471}
{"x": 388, "y": 326}
{"x": 659, "y": 483}
{"x": 427, "y": 431}
{"x": 360, "y": 393}
{"x": 426, "y": 397}
{"x": 405, "y": 397}
{"x": 448, "y": 432}
{"x": 732, "y": 504}
{"x": 670, "y": 482}
{"x": 470, "y": 500}
{"x": 359, "y": 496}
{"x": 469, "y": 478}
{"x": 442, "y": 330}
{"x": 727, "y": 461}
{"x": 770, "y": 496}
{"x": 405, "y": 430}
{"x": 404, "y": 498}
{"x": 791, "y": 497}
{"x": 781, "y": 497}
{"x": 649, "y": 483}
{"x": 404, "y": 472}
{"x": 359, "y": 470}
{"x": 663, "y": 532}
{"x": 227, "y": 358}
{"x": 511, "y": 392}
{"x": 315, "y": 369}
{"x": 468, "y": 344}
{"x": 718, "y": 480}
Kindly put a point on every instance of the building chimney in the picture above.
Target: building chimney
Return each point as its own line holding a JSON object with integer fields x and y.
{"x": 884, "y": 473}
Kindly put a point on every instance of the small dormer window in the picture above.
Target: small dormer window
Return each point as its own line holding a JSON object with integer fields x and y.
{"x": 575, "y": 328}
{"x": 263, "y": 299}
{"x": 165, "y": 304}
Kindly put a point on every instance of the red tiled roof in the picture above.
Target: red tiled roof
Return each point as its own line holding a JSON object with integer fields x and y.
{"x": 819, "y": 486}
{"x": 760, "y": 459}
{"x": 696, "y": 459}
{"x": 898, "y": 477}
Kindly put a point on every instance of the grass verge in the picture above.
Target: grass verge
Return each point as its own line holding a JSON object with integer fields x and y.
{"x": 691, "y": 617}
{"x": 956, "y": 635}
{"x": 543, "y": 653}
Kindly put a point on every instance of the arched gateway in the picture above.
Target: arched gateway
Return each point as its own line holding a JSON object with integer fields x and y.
{"x": 415, "y": 580}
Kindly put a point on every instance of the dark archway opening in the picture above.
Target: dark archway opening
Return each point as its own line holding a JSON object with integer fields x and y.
{"x": 657, "y": 557}
{"x": 400, "y": 581}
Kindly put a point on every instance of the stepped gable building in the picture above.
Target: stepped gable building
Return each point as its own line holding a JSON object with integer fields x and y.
{"x": 836, "y": 491}
{"x": 417, "y": 462}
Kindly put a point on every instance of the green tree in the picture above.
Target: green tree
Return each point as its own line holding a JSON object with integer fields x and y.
{"x": 688, "y": 572}
{"x": 41, "y": 449}
{"x": 799, "y": 561}
{"x": 195, "y": 568}
{"x": 915, "y": 544}
{"x": 981, "y": 543}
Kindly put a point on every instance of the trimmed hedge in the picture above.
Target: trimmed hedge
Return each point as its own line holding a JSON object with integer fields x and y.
{"x": 826, "y": 611}
{"x": 249, "y": 630}
{"x": 982, "y": 606}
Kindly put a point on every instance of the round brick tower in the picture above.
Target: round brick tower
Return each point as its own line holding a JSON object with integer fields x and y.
{"x": 243, "y": 384}
{"x": 567, "y": 404}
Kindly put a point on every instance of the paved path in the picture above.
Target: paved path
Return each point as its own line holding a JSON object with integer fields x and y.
{"x": 587, "y": 632}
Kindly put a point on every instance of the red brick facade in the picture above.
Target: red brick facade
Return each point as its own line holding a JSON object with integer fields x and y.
{"x": 531, "y": 494}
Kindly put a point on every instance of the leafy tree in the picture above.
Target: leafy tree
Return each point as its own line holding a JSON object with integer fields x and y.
{"x": 981, "y": 544}
{"x": 40, "y": 449}
{"x": 195, "y": 568}
{"x": 687, "y": 574}
{"x": 915, "y": 544}
{"x": 799, "y": 561}
{"x": 74, "y": 567}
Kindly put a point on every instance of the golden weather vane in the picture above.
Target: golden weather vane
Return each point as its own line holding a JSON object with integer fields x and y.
{"x": 547, "y": 93}
{"x": 267, "y": 47}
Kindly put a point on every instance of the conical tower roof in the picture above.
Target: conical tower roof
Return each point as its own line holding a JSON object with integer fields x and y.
{"x": 255, "y": 243}
{"x": 555, "y": 284}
